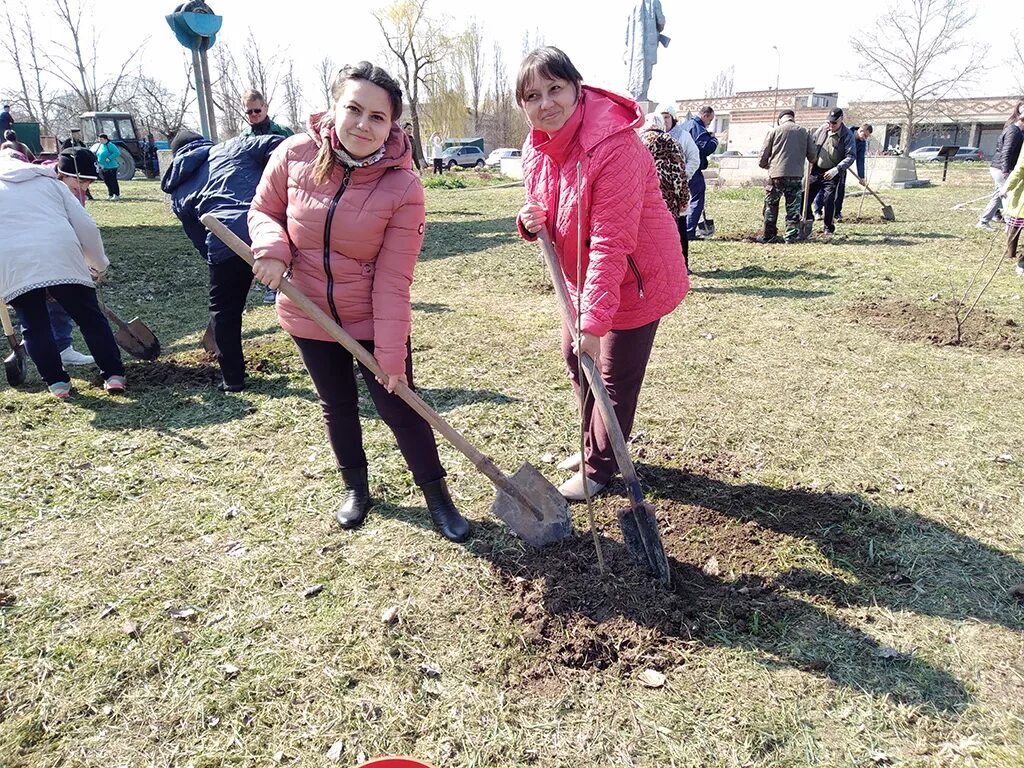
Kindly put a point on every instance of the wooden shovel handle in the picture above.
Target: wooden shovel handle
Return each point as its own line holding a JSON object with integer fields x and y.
{"x": 417, "y": 403}
{"x": 601, "y": 397}
{"x": 6, "y": 319}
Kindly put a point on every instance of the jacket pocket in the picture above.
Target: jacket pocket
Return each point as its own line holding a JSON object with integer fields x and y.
{"x": 636, "y": 275}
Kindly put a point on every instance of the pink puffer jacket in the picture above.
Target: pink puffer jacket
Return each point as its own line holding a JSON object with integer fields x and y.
{"x": 632, "y": 256}
{"x": 363, "y": 276}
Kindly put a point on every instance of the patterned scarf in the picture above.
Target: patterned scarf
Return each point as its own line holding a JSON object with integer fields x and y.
{"x": 347, "y": 160}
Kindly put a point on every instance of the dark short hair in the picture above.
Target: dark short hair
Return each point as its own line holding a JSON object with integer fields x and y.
{"x": 867, "y": 127}
{"x": 707, "y": 109}
{"x": 10, "y": 135}
{"x": 787, "y": 113}
{"x": 371, "y": 73}
{"x": 103, "y": 136}
{"x": 549, "y": 62}
{"x": 407, "y": 124}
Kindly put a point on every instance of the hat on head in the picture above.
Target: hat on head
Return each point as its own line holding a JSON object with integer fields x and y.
{"x": 77, "y": 161}
{"x": 654, "y": 121}
{"x": 181, "y": 138}
{"x": 835, "y": 114}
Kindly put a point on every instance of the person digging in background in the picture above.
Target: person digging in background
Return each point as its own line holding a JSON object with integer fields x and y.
{"x": 707, "y": 144}
{"x": 351, "y": 177}
{"x": 220, "y": 179}
{"x": 1008, "y": 151}
{"x": 632, "y": 258}
{"x": 861, "y": 137}
{"x": 834, "y": 153}
{"x": 53, "y": 248}
{"x": 785, "y": 150}
{"x": 1012, "y": 193}
{"x": 107, "y": 154}
{"x": 671, "y": 169}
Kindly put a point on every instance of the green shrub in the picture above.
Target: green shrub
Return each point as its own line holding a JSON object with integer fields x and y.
{"x": 447, "y": 181}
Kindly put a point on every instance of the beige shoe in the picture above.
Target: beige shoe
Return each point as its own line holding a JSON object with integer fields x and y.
{"x": 573, "y": 489}
{"x": 570, "y": 464}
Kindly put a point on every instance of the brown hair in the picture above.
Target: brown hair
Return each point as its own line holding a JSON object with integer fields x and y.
{"x": 548, "y": 62}
{"x": 371, "y": 73}
{"x": 1017, "y": 114}
{"x": 253, "y": 95}
{"x": 10, "y": 135}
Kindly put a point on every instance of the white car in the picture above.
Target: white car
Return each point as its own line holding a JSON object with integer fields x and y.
{"x": 924, "y": 154}
{"x": 494, "y": 159}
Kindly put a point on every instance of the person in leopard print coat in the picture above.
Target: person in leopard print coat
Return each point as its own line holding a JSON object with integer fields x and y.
{"x": 671, "y": 167}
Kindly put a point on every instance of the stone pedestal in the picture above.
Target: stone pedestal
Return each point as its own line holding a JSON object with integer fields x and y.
{"x": 883, "y": 172}
{"x": 512, "y": 167}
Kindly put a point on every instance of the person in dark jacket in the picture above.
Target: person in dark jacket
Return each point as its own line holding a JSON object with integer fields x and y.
{"x": 835, "y": 151}
{"x": 785, "y": 151}
{"x": 706, "y": 144}
{"x": 1003, "y": 163}
{"x": 6, "y": 120}
{"x": 203, "y": 178}
{"x": 257, "y": 115}
{"x": 74, "y": 140}
{"x": 861, "y": 137}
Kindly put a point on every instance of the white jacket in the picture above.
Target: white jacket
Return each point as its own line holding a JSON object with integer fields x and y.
{"x": 689, "y": 149}
{"x": 46, "y": 235}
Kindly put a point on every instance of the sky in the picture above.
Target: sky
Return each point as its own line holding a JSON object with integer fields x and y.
{"x": 740, "y": 34}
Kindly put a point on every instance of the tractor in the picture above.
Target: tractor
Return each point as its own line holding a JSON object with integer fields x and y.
{"x": 119, "y": 127}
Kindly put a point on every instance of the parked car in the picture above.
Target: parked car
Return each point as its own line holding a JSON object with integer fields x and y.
{"x": 969, "y": 153}
{"x": 465, "y": 157}
{"x": 924, "y": 154}
{"x": 494, "y": 159}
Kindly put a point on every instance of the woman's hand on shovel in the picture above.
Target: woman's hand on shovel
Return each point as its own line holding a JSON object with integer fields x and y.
{"x": 392, "y": 382}
{"x": 588, "y": 344}
{"x": 269, "y": 272}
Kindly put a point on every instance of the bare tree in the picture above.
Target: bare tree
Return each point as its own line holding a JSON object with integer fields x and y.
{"x": 227, "y": 90}
{"x": 161, "y": 109}
{"x": 721, "y": 85}
{"x": 509, "y": 127}
{"x": 261, "y": 69}
{"x": 75, "y": 61}
{"x": 416, "y": 44}
{"x": 325, "y": 74}
{"x": 532, "y": 42}
{"x": 472, "y": 49}
{"x": 292, "y": 97}
{"x": 919, "y": 52}
{"x": 1017, "y": 63}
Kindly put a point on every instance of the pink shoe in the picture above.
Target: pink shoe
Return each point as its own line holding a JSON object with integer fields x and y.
{"x": 60, "y": 389}
{"x": 115, "y": 384}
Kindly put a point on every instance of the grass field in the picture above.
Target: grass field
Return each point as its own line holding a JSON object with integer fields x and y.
{"x": 839, "y": 489}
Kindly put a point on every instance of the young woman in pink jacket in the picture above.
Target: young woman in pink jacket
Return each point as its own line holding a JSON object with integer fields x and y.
{"x": 341, "y": 209}
{"x": 632, "y": 259}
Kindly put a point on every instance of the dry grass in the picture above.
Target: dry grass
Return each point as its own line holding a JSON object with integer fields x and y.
{"x": 849, "y": 474}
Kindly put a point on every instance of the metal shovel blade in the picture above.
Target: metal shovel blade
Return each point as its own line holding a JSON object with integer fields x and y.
{"x": 887, "y": 213}
{"x": 210, "y": 341}
{"x": 14, "y": 364}
{"x": 555, "y": 523}
{"x": 134, "y": 337}
{"x": 640, "y": 534}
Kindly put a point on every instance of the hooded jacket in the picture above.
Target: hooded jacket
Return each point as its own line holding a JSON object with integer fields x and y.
{"x": 48, "y": 238}
{"x": 786, "y": 150}
{"x": 219, "y": 179}
{"x": 351, "y": 242}
{"x": 631, "y": 253}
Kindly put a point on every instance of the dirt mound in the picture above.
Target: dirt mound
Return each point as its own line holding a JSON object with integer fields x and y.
{"x": 724, "y": 579}
{"x": 937, "y": 324}
{"x": 164, "y": 372}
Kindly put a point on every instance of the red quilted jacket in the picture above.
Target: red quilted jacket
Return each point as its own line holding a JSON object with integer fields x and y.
{"x": 362, "y": 276}
{"x": 632, "y": 258}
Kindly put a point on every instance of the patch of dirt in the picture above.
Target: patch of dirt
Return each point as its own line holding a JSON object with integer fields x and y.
{"x": 163, "y": 372}
{"x": 582, "y": 619}
{"x": 937, "y": 324}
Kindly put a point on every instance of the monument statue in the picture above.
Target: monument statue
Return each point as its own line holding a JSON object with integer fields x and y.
{"x": 643, "y": 35}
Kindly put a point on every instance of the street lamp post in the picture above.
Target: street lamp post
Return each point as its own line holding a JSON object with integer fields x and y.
{"x": 778, "y": 68}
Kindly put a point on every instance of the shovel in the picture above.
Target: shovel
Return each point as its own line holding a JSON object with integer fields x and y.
{"x": 530, "y": 505}
{"x": 638, "y": 523}
{"x": 887, "y": 212}
{"x": 14, "y": 363}
{"x": 134, "y": 337}
{"x": 806, "y": 223}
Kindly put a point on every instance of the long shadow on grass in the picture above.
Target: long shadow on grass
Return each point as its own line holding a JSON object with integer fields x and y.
{"x": 762, "y": 291}
{"x": 454, "y": 238}
{"x": 878, "y": 555}
{"x": 754, "y": 272}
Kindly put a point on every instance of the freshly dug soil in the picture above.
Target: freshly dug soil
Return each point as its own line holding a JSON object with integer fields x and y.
{"x": 937, "y": 324}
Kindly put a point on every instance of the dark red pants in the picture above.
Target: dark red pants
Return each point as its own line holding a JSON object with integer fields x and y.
{"x": 624, "y": 356}
{"x": 330, "y": 366}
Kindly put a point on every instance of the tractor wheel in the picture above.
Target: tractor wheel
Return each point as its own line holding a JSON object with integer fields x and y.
{"x": 125, "y": 166}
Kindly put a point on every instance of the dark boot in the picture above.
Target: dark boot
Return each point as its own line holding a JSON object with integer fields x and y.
{"x": 356, "y": 503}
{"x": 446, "y": 517}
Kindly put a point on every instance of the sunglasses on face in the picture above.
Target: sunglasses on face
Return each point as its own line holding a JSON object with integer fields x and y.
{"x": 253, "y": 111}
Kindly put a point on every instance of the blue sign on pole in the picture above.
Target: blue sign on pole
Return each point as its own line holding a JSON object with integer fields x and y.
{"x": 196, "y": 26}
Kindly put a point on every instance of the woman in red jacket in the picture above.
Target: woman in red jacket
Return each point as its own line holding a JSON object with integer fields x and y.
{"x": 341, "y": 208}
{"x": 632, "y": 260}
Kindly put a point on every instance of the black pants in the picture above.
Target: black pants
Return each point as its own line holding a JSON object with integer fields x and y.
{"x": 623, "y": 363}
{"x": 80, "y": 302}
{"x": 819, "y": 201}
{"x": 1012, "y": 243}
{"x": 438, "y": 166}
{"x": 110, "y": 179}
{"x": 229, "y": 288}
{"x": 684, "y": 239}
{"x": 330, "y": 366}
{"x": 828, "y": 188}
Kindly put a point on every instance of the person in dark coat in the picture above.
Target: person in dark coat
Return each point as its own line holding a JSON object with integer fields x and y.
{"x": 707, "y": 144}
{"x": 835, "y": 151}
{"x": 1003, "y": 162}
{"x": 6, "y": 120}
{"x": 203, "y": 178}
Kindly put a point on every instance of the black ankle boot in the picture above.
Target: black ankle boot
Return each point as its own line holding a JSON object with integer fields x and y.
{"x": 446, "y": 517}
{"x": 356, "y": 503}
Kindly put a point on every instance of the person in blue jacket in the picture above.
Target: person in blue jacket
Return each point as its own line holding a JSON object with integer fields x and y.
{"x": 861, "y": 137}
{"x": 107, "y": 153}
{"x": 706, "y": 143}
{"x": 220, "y": 179}
{"x": 6, "y": 120}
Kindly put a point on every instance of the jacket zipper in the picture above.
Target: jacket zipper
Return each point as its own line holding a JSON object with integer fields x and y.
{"x": 327, "y": 244}
{"x": 636, "y": 275}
